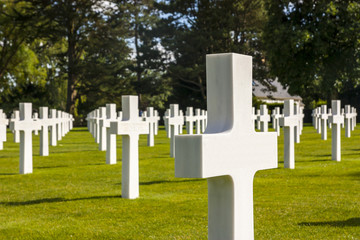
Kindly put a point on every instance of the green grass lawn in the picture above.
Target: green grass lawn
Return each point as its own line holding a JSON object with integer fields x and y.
{"x": 73, "y": 194}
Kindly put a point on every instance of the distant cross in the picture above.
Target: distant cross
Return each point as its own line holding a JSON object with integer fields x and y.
{"x": 53, "y": 127}
{"x": 151, "y": 119}
{"x": 26, "y": 126}
{"x": 297, "y": 127}
{"x": 253, "y": 117}
{"x": 302, "y": 115}
{"x": 324, "y": 117}
{"x": 203, "y": 120}
{"x": 175, "y": 121}
{"x": 318, "y": 119}
{"x": 329, "y": 114}
{"x": 313, "y": 115}
{"x": 263, "y": 118}
{"x": 289, "y": 122}
{"x": 102, "y": 129}
{"x": 119, "y": 115}
{"x": 157, "y": 121}
{"x": 130, "y": 127}
{"x": 15, "y": 117}
{"x": 166, "y": 123}
{"x": 276, "y": 118}
{"x": 197, "y": 121}
{"x": 343, "y": 114}
{"x": 44, "y": 131}
{"x": 348, "y": 118}
{"x": 258, "y": 124}
{"x": 189, "y": 119}
{"x": 36, "y": 117}
{"x": 59, "y": 125}
{"x": 353, "y": 122}
{"x": 3, "y": 123}
{"x": 226, "y": 153}
{"x": 336, "y": 120}
{"x": 110, "y": 137}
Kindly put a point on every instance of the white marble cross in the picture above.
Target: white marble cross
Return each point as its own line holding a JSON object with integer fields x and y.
{"x": 15, "y": 117}
{"x": 36, "y": 117}
{"x": 258, "y": 124}
{"x": 253, "y": 117}
{"x": 110, "y": 136}
{"x": 166, "y": 123}
{"x": 190, "y": 119}
{"x": 353, "y": 122}
{"x": 263, "y": 118}
{"x": 203, "y": 120}
{"x": 59, "y": 125}
{"x": 175, "y": 121}
{"x": 313, "y": 115}
{"x": 44, "y": 131}
{"x": 156, "y": 113}
{"x": 329, "y": 114}
{"x": 324, "y": 118}
{"x": 348, "y": 118}
{"x": 336, "y": 120}
{"x": 3, "y": 123}
{"x": 197, "y": 121}
{"x": 130, "y": 127}
{"x": 343, "y": 114}
{"x": 151, "y": 119}
{"x": 289, "y": 122}
{"x": 53, "y": 127}
{"x": 297, "y": 127}
{"x": 102, "y": 129}
{"x": 26, "y": 125}
{"x": 276, "y": 117}
{"x": 318, "y": 119}
{"x": 226, "y": 153}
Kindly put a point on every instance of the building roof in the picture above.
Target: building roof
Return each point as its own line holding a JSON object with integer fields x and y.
{"x": 280, "y": 93}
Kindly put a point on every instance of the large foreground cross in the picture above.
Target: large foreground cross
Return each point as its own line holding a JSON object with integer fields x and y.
{"x": 226, "y": 153}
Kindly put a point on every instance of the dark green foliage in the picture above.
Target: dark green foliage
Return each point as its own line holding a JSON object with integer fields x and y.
{"x": 313, "y": 46}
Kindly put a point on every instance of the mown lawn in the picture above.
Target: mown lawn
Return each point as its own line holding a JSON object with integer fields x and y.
{"x": 73, "y": 194}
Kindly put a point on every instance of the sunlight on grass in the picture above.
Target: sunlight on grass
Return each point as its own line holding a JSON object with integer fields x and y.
{"x": 74, "y": 194}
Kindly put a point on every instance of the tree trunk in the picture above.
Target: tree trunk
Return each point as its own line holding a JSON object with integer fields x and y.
{"x": 72, "y": 76}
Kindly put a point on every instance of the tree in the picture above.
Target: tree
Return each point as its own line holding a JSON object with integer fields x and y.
{"x": 194, "y": 28}
{"x": 313, "y": 46}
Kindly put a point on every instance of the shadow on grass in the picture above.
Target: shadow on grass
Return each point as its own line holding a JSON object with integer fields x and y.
{"x": 79, "y": 130}
{"x": 351, "y": 222}
{"x": 46, "y": 167}
{"x": 55, "y": 200}
{"x": 169, "y": 181}
{"x": 8, "y": 173}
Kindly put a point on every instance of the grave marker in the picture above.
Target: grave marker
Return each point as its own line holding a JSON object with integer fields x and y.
{"x": 175, "y": 121}
{"x": 16, "y": 117}
{"x": 348, "y": 117}
{"x": 110, "y": 136}
{"x": 190, "y": 119}
{"x": 130, "y": 127}
{"x": 324, "y": 118}
{"x": 26, "y": 126}
{"x": 45, "y": 123}
{"x": 289, "y": 122}
{"x": 225, "y": 152}
{"x": 151, "y": 119}
{"x": 336, "y": 120}
{"x": 3, "y": 123}
{"x": 263, "y": 118}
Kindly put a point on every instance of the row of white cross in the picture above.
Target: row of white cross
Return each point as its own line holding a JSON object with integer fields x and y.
{"x": 261, "y": 119}
{"x": 321, "y": 116}
{"x": 23, "y": 123}
{"x": 104, "y": 124}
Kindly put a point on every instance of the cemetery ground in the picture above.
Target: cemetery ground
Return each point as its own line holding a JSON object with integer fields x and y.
{"x": 73, "y": 194}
